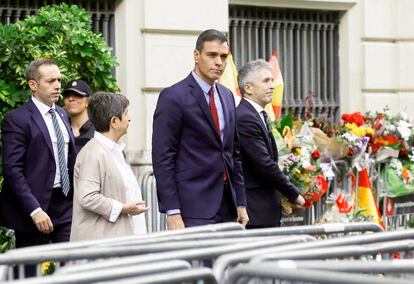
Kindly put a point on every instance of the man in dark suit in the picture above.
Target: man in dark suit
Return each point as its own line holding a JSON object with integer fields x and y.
{"x": 195, "y": 148}
{"x": 38, "y": 158}
{"x": 263, "y": 178}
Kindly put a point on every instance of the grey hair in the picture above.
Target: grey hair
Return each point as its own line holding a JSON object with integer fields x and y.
{"x": 249, "y": 70}
{"x": 102, "y": 106}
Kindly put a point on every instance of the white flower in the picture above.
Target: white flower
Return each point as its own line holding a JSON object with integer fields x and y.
{"x": 306, "y": 164}
{"x": 404, "y": 129}
{"x": 391, "y": 128}
{"x": 403, "y": 116}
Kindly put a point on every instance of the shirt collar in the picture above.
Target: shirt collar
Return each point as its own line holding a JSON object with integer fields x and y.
{"x": 203, "y": 84}
{"x": 44, "y": 109}
{"x": 256, "y": 106}
{"x": 108, "y": 143}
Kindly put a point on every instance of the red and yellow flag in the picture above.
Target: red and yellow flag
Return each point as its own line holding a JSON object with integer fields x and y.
{"x": 229, "y": 79}
{"x": 366, "y": 199}
{"x": 275, "y": 107}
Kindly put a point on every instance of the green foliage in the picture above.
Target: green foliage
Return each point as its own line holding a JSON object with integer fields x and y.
{"x": 283, "y": 122}
{"x": 62, "y": 33}
{"x": 7, "y": 239}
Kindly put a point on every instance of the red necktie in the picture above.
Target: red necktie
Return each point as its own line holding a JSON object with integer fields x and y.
{"x": 213, "y": 110}
{"x": 214, "y": 114}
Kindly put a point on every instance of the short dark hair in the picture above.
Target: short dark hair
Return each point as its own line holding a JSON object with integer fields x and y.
{"x": 210, "y": 35}
{"x": 32, "y": 70}
{"x": 102, "y": 106}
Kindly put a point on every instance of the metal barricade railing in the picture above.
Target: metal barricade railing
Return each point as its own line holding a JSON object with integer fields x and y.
{"x": 220, "y": 246}
{"x": 43, "y": 251}
{"x": 401, "y": 268}
{"x": 195, "y": 251}
{"x": 196, "y": 275}
{"x": 141, "y": 239}
{"x": 117, "y": 271}
{"x": 268, "y": 273}
{"x": 155, "y": 220}
{"x": 226, "y": 261}
{"x": 371, "y": 251}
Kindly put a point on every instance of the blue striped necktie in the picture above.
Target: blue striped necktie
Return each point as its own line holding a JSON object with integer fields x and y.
{"x": 64, "y": 175}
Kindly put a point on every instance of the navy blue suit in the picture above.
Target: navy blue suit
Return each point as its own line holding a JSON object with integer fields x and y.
{"x": 188, "y": 155}
{"x": 263, "y": 178}
{"x": 29, "y": 170}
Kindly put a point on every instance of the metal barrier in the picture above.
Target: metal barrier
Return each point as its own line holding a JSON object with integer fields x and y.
{"x": 196, "y": 275}
{"x": 118, "y": 271}
{"x": 291, "y": 275}
{"x": 150, "y": 238}
{"x": 150, "y": 259}
{"x": 396, "y": 268}
{"x": 194, "y": 252}
{"x": 226, "y": 261}
{"x": 155, "y": 220}
{"x": 353, "y": 251}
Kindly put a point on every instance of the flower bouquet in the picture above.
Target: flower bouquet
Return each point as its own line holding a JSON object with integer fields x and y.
{"x": 301, "y": 165}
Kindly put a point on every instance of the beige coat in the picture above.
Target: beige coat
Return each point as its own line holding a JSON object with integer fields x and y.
{"x": 97, "y": 181}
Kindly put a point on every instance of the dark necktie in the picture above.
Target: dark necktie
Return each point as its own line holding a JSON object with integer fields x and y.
{"x": 266, "y": 119}
{"x": 64, "y": 175}
{"x": 214, "y": 114}
{"x": 269, "y": 133}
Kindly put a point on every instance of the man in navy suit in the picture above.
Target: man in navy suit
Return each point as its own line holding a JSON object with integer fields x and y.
{"x": 263, "y": 178}
{"x": 195, "y": 147}
{"x": 38, "y": 160}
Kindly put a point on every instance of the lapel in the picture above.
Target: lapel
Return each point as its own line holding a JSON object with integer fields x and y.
{"x": 257, "y": 115}
{"x": 39, "y": 121}
{"x": 198, "y": 95}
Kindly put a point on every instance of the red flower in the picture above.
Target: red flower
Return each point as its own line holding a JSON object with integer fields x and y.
{"x": 350, "y": 152}
{"x": 315, "y": 154}
{"x": 355, "y": 117}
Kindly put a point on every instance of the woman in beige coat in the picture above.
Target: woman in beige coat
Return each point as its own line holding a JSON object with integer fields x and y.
{"x": 107, "y": 200}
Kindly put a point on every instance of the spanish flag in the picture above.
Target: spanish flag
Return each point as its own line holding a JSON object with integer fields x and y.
{"x": 229, "y": 79}
{"x": 366, "y": 199}
{"x": 275, "y": 107}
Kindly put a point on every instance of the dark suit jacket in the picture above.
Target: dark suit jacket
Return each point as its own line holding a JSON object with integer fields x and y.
{"x": 28, "y": 166}
{"x": 188, "y": 155}
{"x": 263, "y": 178}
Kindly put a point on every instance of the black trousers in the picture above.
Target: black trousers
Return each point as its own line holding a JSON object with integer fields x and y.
{"x": 60, "y": 212}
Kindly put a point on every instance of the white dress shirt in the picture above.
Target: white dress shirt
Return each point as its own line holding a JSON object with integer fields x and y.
{"x": 259, "y": 110}
{"x": 132, "y": 190}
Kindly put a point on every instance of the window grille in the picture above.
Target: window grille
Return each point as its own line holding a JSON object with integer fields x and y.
{"x": 102, "y": 13}
{"x": 306, "y": 42}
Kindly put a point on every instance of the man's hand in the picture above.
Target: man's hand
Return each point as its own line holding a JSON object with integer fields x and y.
{"x": 42, "y": 222}
{"x": 134, "y": 208}
{"x": 300, "y": 200}
{"x": 242, "y": 216}
{"x": 175, "y": 222}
